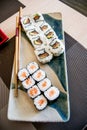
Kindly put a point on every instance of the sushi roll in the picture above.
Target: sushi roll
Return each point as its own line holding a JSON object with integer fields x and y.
{"x": 40, "y": 102}
{"x": 44, "y": 84}
{"x": 39, "y": 75}
{"x": 38, "y": 17}
{"x": 23, "y": 74}
{"x": 33, "y": 91}
{"x": 44, "y": 27}
{"x": 32, "y": 67}
{"x": 38, "y": 41}
{"x": 43, "y": 54}
{"x": 50, "y": 34}
{"x": 56, "y": 47}
{"x": 52, "y": 93}
{"x": 29, "y": 82}
{"x": 26, "y": 22}
{"x": 33, "y": 32}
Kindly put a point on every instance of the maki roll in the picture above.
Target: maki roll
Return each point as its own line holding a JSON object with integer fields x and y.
{"x": 38, "y": 17}
{"x": 33, "y": 91}
{"x": 52, "y": 93}
{"x": 50, "y": 34}
{"x": 32, "y": 67}
{"x": 43, "y": 54}
{"x": 44, "y": 84}
{"x": 40, "y": 102}
{"x": 56, "y": 47}
{"x": 33, "y": 32}
{"x": 44, "y": 27}
{"x": 23, "y": 74}
{"x": 38, "y": 41}
{"x": 26, "y": 22}
{"x": 39, "y": 75}
{"x": 29, "y": 82}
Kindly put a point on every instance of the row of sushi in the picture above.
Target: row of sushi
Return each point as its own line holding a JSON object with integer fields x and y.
{"x": 38, "y": 86}
{"x": 43, "y": 38}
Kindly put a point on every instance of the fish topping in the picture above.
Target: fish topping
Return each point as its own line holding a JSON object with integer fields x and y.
{"x": 39, "y": 74}
{"x": 33, "y": 33}
{"x": 55, "y": 45}
{"x": 44, "y": 84}
{"x": 44, "y": 55}
{"x": 41, "y": 101}
{"x": 51, "y": 93}
{"x": 26, "y": 21}
{"x": 23, "y": 74}
{"x": 44, "y": 27}
{"x": 36, "y": 17}
{"x": 32, "y": 67}
{"x": 38, "y": 41}
{"x": 33, "y": 91}
{"x": 49, "y": 35}
{"x": 28, "y": 81}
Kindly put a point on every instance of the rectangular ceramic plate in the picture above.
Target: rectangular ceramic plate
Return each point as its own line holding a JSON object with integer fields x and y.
{"x": 22, "y": 107}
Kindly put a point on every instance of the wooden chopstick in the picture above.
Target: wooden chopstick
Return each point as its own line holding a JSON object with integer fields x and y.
{"x": 16, "y": 58}
{"x": 17, "y": 50}
{"x": 20, "y": 15}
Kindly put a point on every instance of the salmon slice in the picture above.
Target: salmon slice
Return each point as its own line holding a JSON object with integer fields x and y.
{"x": 44, "y": 84}
{"x": 32, "y": 67}
{"x": 51, "y": 93}
{"x": 33, "y": 91}
{"x": 28, "y": 81}
{"x": 23, "y": 75}
{"x": 41, "y": 101}
{"x": 39, "y": 74}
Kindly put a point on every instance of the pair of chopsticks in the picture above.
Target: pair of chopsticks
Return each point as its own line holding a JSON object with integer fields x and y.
{"x": 17, "y": 50}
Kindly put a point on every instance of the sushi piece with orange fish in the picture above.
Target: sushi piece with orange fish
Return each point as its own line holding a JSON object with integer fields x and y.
{"x": 39, "y": 75}
{"x": 56, "y": 47}
{"x": 52, "y": 93}
{"x": 26, "y": 22}
{"x": 40, "y": 102}
{"x": 32, "y": 67}
{"x": 23, "y": 74}
{"x": 43, "y": 54}
{"x": 33, "y": 91}
{"x": 44, "y": 84}
{"x": 29, "y": 82}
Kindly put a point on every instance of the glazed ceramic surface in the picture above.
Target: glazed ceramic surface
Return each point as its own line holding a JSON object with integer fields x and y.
{"x": 22, "y": 107}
